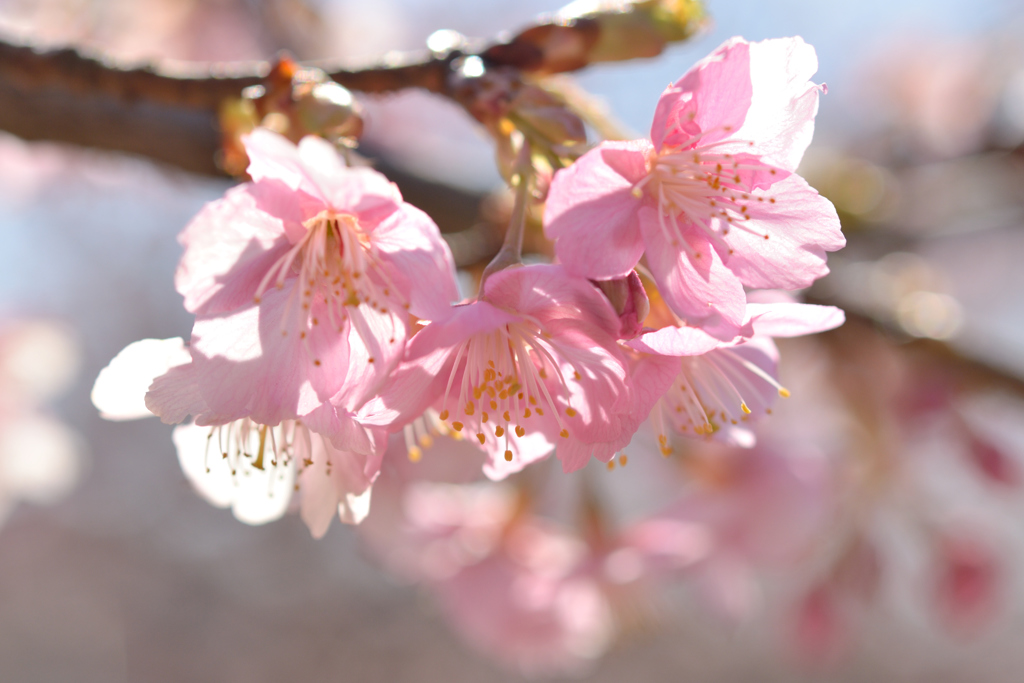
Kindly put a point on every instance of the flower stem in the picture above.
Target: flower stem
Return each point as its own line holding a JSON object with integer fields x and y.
{"x": 511, "y": 252}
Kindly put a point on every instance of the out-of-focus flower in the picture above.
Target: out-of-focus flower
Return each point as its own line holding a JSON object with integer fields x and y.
{"x": 967, "y": 582}
{"x": 748, "y": 510}
{"x": 40, "y": 457}
{"x": 712, "y": 199}
{"x": 514, "y": 585}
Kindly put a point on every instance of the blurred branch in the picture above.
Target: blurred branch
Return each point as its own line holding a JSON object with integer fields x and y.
{"x": 169, "y": 113}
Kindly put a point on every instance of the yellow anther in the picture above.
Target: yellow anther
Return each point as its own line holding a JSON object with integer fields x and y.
{"x": 520, "y": 432}
{"x": 415, "y": 454}
{"x": 611, "y": 465}
{"x": 571, "y": 412}
{"x": 470, "y": 408}
{"x": 482, "y": 438}
{"x": 494, "y": 405}
{"x": 426, "y": 441}
{"x": 637, "y": 192}
{"x": 577, "y": 376}
{"x": 527, "y": 413}
{"x": 506, "y": 416}
{"x": 503, "y": 395}
{"x": 508, "y": 456}
{"x": 532, "y": 401}
{"x": 783, "y": 392}
{"x": 499, "y": 431}
{"x": 484, "y": 417}
{"x": 540, "y": 411}
{"x": 564, "y": 434}
{"x": 623, "y": 459}
{"x": 443, "y": 415}
{"x": 457, "y": 426}
{"x": 744, "y": 408}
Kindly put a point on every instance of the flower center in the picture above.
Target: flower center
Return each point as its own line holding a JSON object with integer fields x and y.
{"x": 695, "y": 185}
{"x": 505, "y": 376}
{"x": 246, "y": 445}
{"x": 333, "y": 263}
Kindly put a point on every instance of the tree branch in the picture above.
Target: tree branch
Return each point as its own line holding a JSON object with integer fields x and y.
{"x": 169, "y": 113}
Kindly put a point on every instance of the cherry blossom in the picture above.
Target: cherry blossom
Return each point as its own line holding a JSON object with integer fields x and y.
{"x": 303, "y": 282}
{"x": 717, "y": 387}
{"x": 250, "y": 467}
{"x": 712, "y": 198}
{"x": 532, "y": 364}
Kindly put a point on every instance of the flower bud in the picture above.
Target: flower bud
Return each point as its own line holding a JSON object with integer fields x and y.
{"x": 629, "y": 299}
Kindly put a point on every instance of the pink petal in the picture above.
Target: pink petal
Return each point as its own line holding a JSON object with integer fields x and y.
{"x": 336, "y": 483}
{"x": 175, "y": 395}
{"x": 248, "y": 365}
{"x": 412, "y": 388}
{"x": 591, "y": 211}
{"x": 548, "y": 293}
{"x": 675, "y": 341}
{"x": 700, "y": 290}
{"x": 793, "y": 319}
{"x": 359, "y": 190}
{"x": 780, "y": 120}
{"x": 274, "y": 157}
{"x": 417, "y": 261}
{"x": 229, "y": 246}
{"x": 711, "y": 98}
{"x": 801, "y": 226}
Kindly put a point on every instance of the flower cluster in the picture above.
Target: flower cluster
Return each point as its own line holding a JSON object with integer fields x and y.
{"x": 327, "y": 315}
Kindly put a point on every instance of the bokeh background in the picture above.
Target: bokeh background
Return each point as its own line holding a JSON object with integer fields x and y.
{"x": 119, "y": 572}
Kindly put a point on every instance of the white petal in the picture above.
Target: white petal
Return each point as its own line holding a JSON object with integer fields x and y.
{"x": 256, "y": 496}
{"x": 120, "y": 389}
{"x": 354, "y": 508}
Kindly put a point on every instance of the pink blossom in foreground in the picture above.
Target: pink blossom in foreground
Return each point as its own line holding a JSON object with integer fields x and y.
{"x": 329, "y": 456}
{"x": 717, "y": 387}
{"x": 712, "y": 198}
{"x": 531, "y": 364}
{"x": 303, "y": 282}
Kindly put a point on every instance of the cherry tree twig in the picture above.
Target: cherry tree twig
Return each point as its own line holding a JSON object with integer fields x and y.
{"x": 169, "y": 113}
